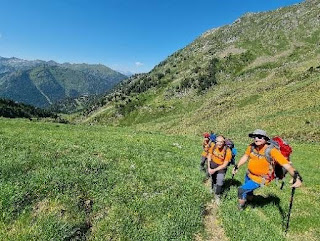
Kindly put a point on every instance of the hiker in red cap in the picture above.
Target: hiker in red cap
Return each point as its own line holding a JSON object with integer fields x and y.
{"x": 261, "y": 156}
{"x": 204, "y": 154}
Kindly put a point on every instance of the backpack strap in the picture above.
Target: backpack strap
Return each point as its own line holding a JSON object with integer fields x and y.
{"x": 266, "y": 153}
{"x": 267, "y": 156}
{"x": 224, "y": 150}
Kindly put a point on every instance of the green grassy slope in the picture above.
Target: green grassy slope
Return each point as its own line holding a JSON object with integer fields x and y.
{"x": 63, "y": 182}
{"x": 68, "y": 182}
{"x": 284, "y": 106}
{"x": 261, "y": 71}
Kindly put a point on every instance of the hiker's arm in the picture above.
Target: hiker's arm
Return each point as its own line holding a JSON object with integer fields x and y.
{"x": 242, "y": 161}
{"x": 223, "y": 166}
{"x": 276, "y": 155}
{"x": 294, "y": 174}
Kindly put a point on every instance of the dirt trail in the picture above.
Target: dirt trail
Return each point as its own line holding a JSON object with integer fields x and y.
{"x": 213, "y": 227}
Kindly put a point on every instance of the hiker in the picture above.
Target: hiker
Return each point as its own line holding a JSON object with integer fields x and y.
{"x": 204, "y": 154}
{"x": 260, "y": 170}
{"x": 218, "y": 158}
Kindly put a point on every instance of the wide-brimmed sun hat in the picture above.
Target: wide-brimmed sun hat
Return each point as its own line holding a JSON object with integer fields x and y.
{"x": 259, "y": 132}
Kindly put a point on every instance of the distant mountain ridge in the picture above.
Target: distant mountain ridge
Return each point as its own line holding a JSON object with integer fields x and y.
{"x": 42, "y": 83}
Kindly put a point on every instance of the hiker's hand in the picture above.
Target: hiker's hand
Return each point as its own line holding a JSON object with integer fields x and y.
{"x": 211, "y": 171}
{"x": 298, "y": 183}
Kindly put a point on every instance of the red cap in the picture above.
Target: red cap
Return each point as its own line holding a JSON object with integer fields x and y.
{"x": 206, "y": 135}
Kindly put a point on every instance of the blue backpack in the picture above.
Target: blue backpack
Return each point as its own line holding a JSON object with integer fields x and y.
{"x": 230, "y": 144}
{"x": 213, "y": 137}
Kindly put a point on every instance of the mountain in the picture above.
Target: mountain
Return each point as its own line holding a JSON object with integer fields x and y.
{"x": 40, "y": 83}
{"x": 261, "y": 71}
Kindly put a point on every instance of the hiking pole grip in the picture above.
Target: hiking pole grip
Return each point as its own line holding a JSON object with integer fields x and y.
{"x": 291, "y": 201}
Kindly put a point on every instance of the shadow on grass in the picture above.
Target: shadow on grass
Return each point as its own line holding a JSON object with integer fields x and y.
{"x": 228, "y": 183}
{"x": 261, "y": 201}
{"x": 231, "y": 183}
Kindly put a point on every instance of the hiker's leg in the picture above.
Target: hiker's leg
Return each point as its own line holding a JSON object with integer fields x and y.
{"x": 279, "y": 171}
{"x": 203, "y": 162}
{"x": 284, "y": 171}
{"x": 220, "y": 180}
{"x": 213, "y": 182}
{"x": 204, "y": 167}
{"x": 213, "y": 177}
{"x": 249, "y": 196}
{"x": 247, "y": 188}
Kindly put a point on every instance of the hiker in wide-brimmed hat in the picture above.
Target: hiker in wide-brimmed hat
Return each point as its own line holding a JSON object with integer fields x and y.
{"x": 261, "y": 156}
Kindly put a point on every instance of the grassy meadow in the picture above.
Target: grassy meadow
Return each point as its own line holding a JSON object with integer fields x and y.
{"x": 82, "y": 182}
{"x": 68, "y": 182}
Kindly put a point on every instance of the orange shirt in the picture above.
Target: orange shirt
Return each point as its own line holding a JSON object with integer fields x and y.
{"x": 205, "y": 145}
{"x": 258, "y": 166}
{"x": 220, "y": 156}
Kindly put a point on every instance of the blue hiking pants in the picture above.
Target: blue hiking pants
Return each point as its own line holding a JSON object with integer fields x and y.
{"x": 247, "y": 188}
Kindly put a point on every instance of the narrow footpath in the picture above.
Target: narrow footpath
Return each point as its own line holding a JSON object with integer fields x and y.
{"x": 213, "y": 228}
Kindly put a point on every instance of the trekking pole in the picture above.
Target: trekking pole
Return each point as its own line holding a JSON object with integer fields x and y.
{"x": 291, "y": 201}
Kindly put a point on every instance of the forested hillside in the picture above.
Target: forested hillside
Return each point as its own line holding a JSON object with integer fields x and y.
{"x": 11, "y": 109}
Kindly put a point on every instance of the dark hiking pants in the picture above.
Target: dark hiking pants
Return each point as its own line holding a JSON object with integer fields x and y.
{"x": 217, "y": 179}
{"x": 203, "y": 163}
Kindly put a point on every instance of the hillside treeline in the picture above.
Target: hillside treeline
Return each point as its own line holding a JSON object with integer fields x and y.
{"x": 11, "y": 109}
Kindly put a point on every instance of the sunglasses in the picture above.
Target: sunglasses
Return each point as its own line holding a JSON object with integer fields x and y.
{"x": 219, "y": 141}
{"x": 259, "y": 137}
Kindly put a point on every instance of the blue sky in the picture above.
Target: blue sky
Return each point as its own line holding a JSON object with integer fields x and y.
{"x": 124, "y": 35}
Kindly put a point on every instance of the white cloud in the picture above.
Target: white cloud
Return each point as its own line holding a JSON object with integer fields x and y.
{"x": 139, "y": 64}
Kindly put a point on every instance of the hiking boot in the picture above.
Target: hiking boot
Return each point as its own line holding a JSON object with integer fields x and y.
{"x": 217, "y": 199}
{"x": 241, "y": 207}
{"x": 250, "y": 198}
{"x": 214, "y": 188}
